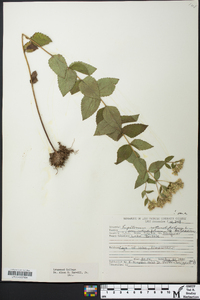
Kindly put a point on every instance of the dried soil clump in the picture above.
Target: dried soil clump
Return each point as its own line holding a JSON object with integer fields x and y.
{"x": 59, "y": 158}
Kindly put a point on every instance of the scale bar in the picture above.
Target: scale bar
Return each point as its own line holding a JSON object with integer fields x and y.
{"x": 150, "y": 291}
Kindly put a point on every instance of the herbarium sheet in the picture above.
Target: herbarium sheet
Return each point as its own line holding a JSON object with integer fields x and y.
{"x": 100, "y": 141}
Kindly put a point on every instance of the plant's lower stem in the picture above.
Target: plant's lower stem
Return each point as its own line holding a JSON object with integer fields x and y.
{"x": 36, "y": 104}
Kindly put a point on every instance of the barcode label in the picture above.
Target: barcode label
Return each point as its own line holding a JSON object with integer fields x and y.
{"x": 19, "y": 274}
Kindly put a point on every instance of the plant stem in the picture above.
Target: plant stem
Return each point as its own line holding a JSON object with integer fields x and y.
{"x": 165, "y": 181}
{"x": 152, "y": 175}
{"x": 157, "y": 188}
{"x": 36, "y": 104}
{"x": 130, "y": 144}
{"x": 28, "y": 38}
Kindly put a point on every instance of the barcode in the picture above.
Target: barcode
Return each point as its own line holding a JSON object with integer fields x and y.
{"x": 20, "y": 273}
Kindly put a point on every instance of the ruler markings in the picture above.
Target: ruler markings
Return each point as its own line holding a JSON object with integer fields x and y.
{"x": 146, "y": 291}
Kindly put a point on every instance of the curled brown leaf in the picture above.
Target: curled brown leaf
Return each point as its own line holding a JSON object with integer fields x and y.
{"x": 34, "y": 77}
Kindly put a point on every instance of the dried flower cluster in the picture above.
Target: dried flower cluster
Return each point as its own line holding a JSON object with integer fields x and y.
{"x": 166, "y": 195}
{"x": 177, "y": 166}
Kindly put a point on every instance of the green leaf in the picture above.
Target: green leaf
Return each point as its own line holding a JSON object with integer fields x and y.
{"x": 75, "y": 88}
{"x": 173, "y": 165}
{"x": 141, "y": 180}
{"x": 133, "y": 156}
{"x": 168, "y": 158}
{"x": 155, "y": 166}
{"x": 140, "y": 144}
{"x": 149, "y": 192}
{"x": 134, "y": 129}
{"x": 89, "y": 87}
{"x": 140, "y": 165}
{"x": 146, "y": 201}
{"x": 115, "y": 135}
{"x": 157, "y": 175}
{"x": 143, "y": 193}
{"x": 107, "y": 86}
{"x": 89, "y": 106}
{"x": 103, "y": 128}
{"x": 82, "y": 67}
{"x": 168, "y": 166}
{"x": 58, "y": 64}
{"x": 151, "y": 181}
{"x": 41, "y": 39}
{"x": 111, "y": 121}
{"x": 112, "y": 116}
{"x": 67, "y": 83}
{"x": 128, "y": 119}
{"x": 123, "y": 153}
{"x": 99, "y": 116}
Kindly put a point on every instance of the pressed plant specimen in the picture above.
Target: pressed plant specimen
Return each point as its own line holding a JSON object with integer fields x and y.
{"x": 60, "y": 156}
{"x": 109, "y": 122}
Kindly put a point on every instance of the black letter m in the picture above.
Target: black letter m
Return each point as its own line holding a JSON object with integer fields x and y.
{"x": 177, "y": 294}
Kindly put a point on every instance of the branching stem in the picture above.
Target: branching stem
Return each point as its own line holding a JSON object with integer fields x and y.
{"x": 152, "y": 176}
